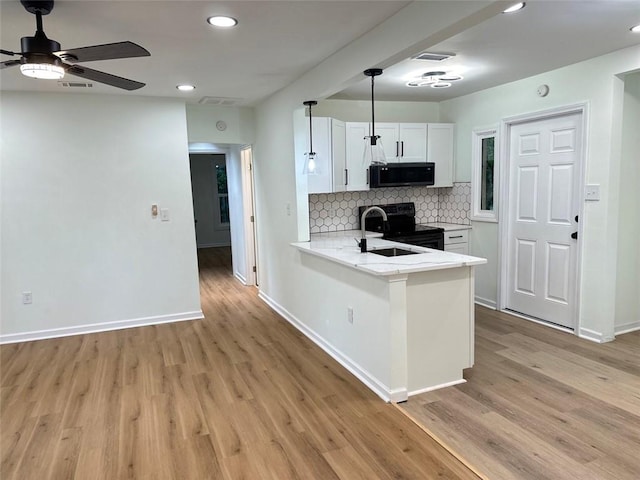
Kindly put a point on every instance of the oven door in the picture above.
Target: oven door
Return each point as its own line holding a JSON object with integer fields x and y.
{"x": 435, "y": 241}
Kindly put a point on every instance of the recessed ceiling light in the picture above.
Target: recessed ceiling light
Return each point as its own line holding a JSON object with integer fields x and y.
{"x": 222, "y": 21}
{"x": 185, "y": 88}
{"x": 635, "y": 29}
{"x": 515, "y": 8}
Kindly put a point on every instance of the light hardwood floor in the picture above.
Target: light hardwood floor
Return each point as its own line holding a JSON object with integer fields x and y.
{"x": 238, "y": 395}
{"x": 541, "y": 404}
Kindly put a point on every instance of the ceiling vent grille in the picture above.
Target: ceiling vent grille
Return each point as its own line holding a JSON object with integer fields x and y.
{"x": 434, "y": 57}
{"x": 220, "y": 101}
{"x": 75, "y": 84}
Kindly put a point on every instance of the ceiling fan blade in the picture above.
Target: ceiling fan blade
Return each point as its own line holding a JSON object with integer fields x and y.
{"x": 108, "y": 51}
{"x": 103, "y": 77}
{"x": 9, "y": 63}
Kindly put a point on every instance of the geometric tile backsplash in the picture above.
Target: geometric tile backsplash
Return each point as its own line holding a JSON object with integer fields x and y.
{"x": 330, "y": 212}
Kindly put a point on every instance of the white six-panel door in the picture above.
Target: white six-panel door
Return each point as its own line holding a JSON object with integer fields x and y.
{"x": 543, "y": 203}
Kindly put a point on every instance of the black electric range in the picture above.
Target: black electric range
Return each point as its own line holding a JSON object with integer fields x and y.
{"x": 401, "y": 225}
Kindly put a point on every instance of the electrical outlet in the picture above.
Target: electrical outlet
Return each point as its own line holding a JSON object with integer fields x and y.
{"x": 350, "y": 314}
{"x": 288, "y": 208}
{"x": 27, "y": 298}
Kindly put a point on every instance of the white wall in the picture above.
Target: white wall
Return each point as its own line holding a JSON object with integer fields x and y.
{"x": 593, "y": 81}
{"x": 360, "y": 111}
{"x": 79, "y": 175}
{"x": 206, "y": 207}
{"x": 628, "y": 281}
{"x": 202, "y": 119}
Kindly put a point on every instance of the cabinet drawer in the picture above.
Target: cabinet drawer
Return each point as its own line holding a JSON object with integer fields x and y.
{"x": 456, "y": 236}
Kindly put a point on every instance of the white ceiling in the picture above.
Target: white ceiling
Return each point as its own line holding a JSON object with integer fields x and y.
{"x": 277, "y": 41}
{"x": 543, "y": 36}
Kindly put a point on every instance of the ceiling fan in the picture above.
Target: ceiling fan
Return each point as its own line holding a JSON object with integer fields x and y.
{"x": 42, "y": 57}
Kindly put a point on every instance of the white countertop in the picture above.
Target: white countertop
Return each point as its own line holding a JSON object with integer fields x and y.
{"x": 341, "y": 247}
{"x": 449, "y": 227}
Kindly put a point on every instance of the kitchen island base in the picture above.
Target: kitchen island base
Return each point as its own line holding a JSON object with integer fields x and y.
{"x": 401, "y": 334}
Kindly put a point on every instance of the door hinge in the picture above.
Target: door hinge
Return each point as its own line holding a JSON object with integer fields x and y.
{"x": 251, "y": 219}
{"x": 254, "y": 269}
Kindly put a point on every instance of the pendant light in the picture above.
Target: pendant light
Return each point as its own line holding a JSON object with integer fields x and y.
{"x": 373, "y": 151}
{"x": 311, "y": 166}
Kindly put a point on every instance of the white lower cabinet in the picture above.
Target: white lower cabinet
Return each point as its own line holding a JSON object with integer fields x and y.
{"x": 456, "y": 241}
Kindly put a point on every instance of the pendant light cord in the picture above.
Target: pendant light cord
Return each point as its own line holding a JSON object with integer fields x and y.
{"x": 373, "y": 115}
{"x": 310, "y": 132}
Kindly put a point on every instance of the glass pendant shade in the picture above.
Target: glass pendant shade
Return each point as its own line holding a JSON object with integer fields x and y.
{"x": 373, "y": 152}
{"x": 311, "y": 164}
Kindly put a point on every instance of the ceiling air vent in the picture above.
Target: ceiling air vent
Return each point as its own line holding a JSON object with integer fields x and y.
{"x": 220, "y": 101}
{"x": 75, "y": 84}
{"x": 434, "y": 57}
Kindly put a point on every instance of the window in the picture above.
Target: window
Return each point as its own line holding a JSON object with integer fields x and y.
{"x": 223, "y": 194}
{"x": 485, "y": 175}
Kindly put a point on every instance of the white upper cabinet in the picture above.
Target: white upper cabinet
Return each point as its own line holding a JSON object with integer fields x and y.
{"x": 329, "y": 145}
{"x": 440, "y": 152}
{"x": 357, "y": 173}
{"x": 403, "y": 142}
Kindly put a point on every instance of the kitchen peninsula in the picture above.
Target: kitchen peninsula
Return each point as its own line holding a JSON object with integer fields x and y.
{"x": 402, "y": 324}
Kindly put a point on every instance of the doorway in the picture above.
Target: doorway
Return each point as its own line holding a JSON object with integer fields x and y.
{"x": 210, "y": 199}
{"x": 541, "y": 216}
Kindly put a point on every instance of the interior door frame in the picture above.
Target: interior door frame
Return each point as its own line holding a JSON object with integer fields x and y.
{"x": 506, "y": 124}
{"x": 249, "y": 218}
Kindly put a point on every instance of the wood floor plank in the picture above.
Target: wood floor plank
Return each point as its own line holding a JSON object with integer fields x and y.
{"x": 239, "y": 394}
{"x": 540, "y": 403}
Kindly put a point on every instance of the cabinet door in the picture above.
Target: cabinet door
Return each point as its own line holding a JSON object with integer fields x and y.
{"x": 389, "y": 135}
{"x": 413, "y": 142}
{"x": 322, "y": 182}
{"x": 440, "y": 152}
{"x": 357, "y": 174}
{"x": 338, "y": 155}
{"x": 462, "y": 248}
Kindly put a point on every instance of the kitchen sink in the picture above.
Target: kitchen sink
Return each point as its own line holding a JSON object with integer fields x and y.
{"x": 392, "y": 252}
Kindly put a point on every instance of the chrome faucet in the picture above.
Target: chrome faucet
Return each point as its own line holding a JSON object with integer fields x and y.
{"x": 363, "y": 240}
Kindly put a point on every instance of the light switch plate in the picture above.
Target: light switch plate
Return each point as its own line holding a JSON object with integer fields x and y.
{"x": 592, "y": 193}
{"x": 164, "y": 214}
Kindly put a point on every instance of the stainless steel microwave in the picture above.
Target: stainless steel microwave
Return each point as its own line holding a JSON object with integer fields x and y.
{"x": 402, "y": 174}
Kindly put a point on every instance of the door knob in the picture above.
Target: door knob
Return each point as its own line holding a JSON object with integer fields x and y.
{"x": 574, "y": 235}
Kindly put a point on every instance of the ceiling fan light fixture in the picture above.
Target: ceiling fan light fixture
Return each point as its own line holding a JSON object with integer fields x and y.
{"x": 44, "y": 71}
{"x": 635, "y": 28}
{"x": 222, "y": 21}
{"x": 440, "y": 85}
{"x": 515, "y": 7}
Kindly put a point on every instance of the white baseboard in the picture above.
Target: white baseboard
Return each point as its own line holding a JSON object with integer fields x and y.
{"x": 240, "y": 278}
{"x": 436, "y": 387}
{"x": 627, "y": 327}
{"x": 485, "y": 302}
{"x": 99, "y": 327}
{"x": 384, "y": 392}
{"x": 594, "y": 336}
